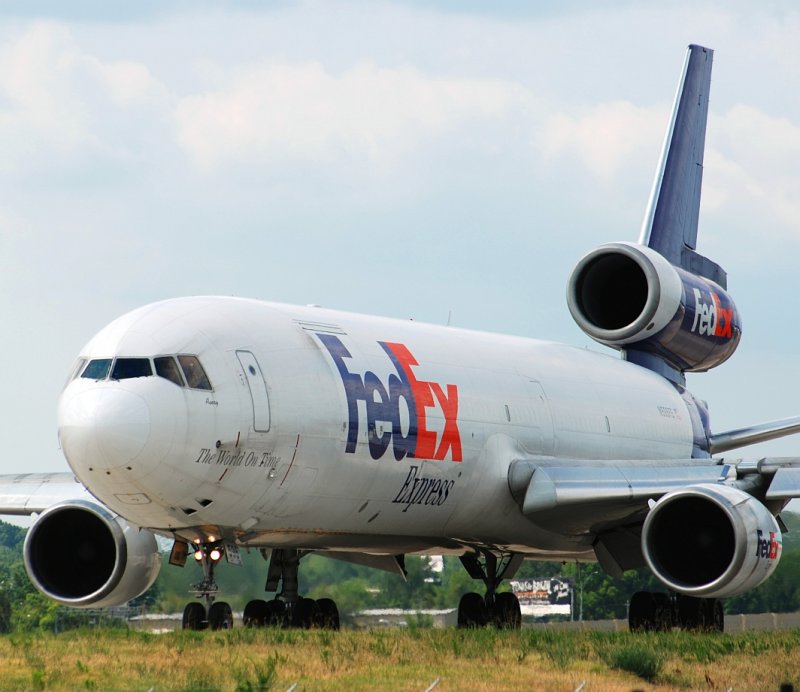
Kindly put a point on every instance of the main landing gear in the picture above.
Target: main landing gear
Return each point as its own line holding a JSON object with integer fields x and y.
{"x": 288, "y": 608}
{"x": 650, "y": 612}
{"x": 498, "y": 609}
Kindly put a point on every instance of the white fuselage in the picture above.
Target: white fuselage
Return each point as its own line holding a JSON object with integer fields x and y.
{"x": 325, "y": 429}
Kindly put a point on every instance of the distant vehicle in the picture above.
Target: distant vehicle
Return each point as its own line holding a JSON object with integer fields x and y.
{"x": 225, "y": 423}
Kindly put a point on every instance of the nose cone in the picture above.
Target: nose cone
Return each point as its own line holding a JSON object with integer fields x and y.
{"x": 102, "y": 427}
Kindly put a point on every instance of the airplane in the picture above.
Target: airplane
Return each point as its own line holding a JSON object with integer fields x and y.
{"x": 227, "y": 424}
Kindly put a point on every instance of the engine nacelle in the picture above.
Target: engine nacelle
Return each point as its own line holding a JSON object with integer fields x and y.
{"x": 81, "y": 555}
{"x": 711, "y": 541}
{"x": 629, "y": 296}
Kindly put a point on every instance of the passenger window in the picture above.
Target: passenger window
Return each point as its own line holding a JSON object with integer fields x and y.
{"x": 167, "y": 368}
{"x": 127, "y": 368}
{"x": 97, "y": 369}
{"x": 195, "y": 375}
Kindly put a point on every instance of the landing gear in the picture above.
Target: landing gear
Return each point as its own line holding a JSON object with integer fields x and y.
{"x": 194, "y": 616}
{"x": 215, "y": 615}
{"x": 328, "y": 614}
{"x": 259, "y": 613}
{"x": 650, "y": 612}
{"x": 703, "y": 614}
{"x": 506, "y": 613}
{"x": 220, "y": 616}
{"x": 288, "y": 608}
{"x": 498, "y": 609}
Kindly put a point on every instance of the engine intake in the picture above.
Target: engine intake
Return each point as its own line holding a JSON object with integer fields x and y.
{"x": 629, "y": 296}
{"x": 81, "y": 555}
{"x": 711, "y": 541}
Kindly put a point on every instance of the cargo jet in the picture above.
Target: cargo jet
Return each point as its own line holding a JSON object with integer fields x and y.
{"x": 226, "y": 424}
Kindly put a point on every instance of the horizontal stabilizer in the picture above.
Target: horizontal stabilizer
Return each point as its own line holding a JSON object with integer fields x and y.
{"x": 763, "y": 432}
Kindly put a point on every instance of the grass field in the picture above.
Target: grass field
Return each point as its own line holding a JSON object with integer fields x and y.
{"x": 397, "y": 659}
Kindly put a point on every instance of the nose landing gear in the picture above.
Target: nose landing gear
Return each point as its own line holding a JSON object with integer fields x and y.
{"x": 216, "y": 615}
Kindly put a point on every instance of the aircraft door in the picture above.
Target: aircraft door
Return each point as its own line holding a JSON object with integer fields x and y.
{"x": 258, "y": 390}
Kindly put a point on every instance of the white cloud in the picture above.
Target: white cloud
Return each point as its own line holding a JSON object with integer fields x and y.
{"x": 127, "y": 83}
{"x": 61, "y": 104}
{"x": 752, "y": 168}
{"x": 40, "y": 112}
{"x": 305, "y": 112}
{"x": 607, "y": 137}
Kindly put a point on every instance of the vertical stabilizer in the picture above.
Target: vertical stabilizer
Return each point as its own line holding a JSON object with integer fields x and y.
{"x": 670, "y": 222}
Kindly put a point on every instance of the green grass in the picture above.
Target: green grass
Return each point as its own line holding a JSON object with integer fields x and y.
{"x": 391, "y": 659}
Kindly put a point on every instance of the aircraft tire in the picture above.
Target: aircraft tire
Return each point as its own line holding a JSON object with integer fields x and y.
{"x": 717, "y": 616}
{"x": 642, "y": 612}
{"x": 701, "y": 614}
{"x": 220, "y": 616}
{"x": 663, "y": 619}
{"x": 256, "y": 613}
{"x": 472, "y": 611}
{"x": 305, "y": 613}
{"x": 328, "y": 614}
{"x": 276, "y": 614}
{"x": 506, "y": 613}
{"x": 704, "y": 614}
{"x": 194, "y": 617}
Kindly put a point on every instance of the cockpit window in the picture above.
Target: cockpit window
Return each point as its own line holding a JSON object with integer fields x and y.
{"x": 76, "y": 369}
{"x": 127, "y": 368}
{"x": 167, "y": 368}
{"x": 195, "y": 375}
{"x": 97, "y": 369}
{"x": 184, "y": 370}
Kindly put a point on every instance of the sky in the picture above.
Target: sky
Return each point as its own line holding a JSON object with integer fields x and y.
{"x": 436, "y": 160}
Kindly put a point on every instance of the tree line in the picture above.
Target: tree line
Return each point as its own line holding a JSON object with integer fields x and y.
{"x": 356, "y": 588}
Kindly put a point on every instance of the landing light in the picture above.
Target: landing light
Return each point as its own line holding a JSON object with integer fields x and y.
{"x": 198, "y": 555}
{"x": 215, "y": 554}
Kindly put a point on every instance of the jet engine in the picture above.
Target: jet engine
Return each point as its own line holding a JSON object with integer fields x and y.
{"x": 711, "y": 541}
{"x": 81, "y": 555}
{"x": 630, "y": 297}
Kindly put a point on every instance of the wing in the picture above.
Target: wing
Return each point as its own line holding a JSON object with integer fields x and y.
{"x": 729, "y": 500}
{"x": 31, "y": 493}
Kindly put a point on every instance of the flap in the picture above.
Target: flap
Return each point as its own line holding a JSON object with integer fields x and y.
{"x": 785, "y": 484}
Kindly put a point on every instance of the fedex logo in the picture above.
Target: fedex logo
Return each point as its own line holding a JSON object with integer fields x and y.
{"x": 710, "y": 318}
{"x": 767, "y": 547}
{"x": 399, "y": 410}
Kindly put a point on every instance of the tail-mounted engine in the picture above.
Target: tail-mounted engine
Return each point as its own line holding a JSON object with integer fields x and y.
{"x": 711, "y": 541}
{"x": 81, "y": 555}
{"x": 631, "y": 298}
